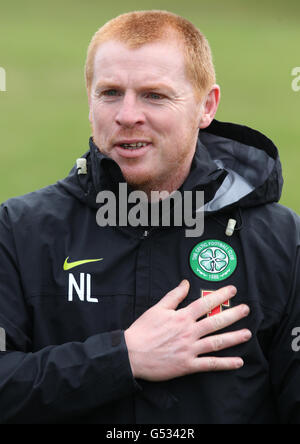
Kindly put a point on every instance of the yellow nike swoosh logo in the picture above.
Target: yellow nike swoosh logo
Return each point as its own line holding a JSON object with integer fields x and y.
{"x": 70, "y": 265}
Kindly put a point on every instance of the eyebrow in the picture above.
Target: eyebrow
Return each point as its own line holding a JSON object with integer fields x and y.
{"x": 147, "y": 87}
{"x": 105, "y": 84}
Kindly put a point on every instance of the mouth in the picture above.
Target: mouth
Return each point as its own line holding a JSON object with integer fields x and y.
{"x": 132, "y": 149}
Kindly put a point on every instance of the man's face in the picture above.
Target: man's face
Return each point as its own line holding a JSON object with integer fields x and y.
{"x": 144, "y": 112}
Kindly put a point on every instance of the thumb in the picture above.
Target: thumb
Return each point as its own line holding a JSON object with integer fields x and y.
{"x": 172, "y": 299}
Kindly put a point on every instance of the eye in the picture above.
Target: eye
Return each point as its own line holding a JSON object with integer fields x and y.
{"x": 107, "y": 93}
{"x": 110, "y": 93}
{"x": 154, "y": 96}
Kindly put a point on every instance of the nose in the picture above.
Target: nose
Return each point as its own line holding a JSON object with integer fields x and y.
{"x": 130, "y": 112}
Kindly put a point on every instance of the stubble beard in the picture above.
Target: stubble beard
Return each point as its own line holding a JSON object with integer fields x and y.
{"x": 169, "y": 180}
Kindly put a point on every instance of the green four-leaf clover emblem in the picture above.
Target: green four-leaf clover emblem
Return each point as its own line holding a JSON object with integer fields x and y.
{"x": 213, "y": 260}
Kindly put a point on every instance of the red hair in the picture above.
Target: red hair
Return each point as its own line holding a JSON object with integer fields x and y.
{"x": 141, "y": 27}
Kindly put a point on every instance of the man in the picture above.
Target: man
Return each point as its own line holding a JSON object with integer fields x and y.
{"x": 122, "y": 324}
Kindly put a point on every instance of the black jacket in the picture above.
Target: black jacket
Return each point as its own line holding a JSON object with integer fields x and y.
{"x": 66, "y": 358}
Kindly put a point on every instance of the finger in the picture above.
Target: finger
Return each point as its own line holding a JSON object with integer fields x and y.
{"x": 220, "y": 342}
{"x": 212, "y": 363}
{"x": 204, "y": 305}
{"x": 172, "y": 299}
{"x": 219, "y": 321}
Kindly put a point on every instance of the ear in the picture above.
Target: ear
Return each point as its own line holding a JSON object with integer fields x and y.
{"x": 210, "y": 106}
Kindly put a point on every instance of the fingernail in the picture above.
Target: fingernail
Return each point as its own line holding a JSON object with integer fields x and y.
{"x": 232, "y": 291}
{"x": 183, "y": 283}
{"x": 247, "y": 335}
{"x": 239, "y": 363}
{"x": 246, "y": 310}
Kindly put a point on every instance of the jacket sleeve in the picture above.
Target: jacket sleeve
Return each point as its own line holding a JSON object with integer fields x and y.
{"x": 57, "y": 382}
{"x": 285, "y": 351}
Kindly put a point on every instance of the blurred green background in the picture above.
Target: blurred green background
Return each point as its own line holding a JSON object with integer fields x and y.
{"x": 44, "y": 123}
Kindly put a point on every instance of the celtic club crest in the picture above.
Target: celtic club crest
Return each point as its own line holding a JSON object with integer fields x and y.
{"x": 213, "y": 260}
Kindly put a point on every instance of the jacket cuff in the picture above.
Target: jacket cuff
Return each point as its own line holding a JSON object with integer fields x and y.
{"x": 122, "y": 366}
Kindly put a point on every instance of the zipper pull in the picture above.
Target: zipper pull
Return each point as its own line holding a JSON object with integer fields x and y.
{"x": 146, "y": 233}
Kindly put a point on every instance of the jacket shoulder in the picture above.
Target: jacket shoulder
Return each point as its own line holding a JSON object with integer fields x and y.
{"x": 274, "y": 217}
{"x": 46, "y": 201}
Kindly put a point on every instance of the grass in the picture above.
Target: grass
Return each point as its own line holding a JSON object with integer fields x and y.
{"x": 44, "y": 113}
